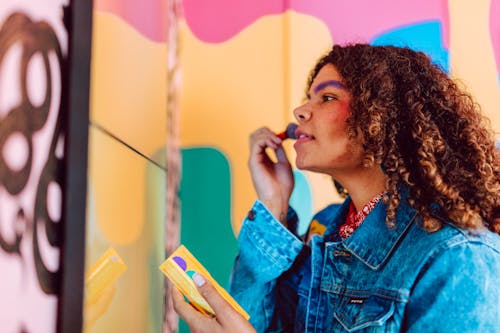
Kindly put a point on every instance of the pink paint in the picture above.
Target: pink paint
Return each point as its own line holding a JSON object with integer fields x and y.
{"x": 363, "y": 20}
{"x": 219, "y": 20}
{"x": 149, "y": 17}
{"x": 216, "y": 21}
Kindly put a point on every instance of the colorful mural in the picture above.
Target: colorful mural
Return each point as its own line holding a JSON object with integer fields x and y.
{"x": 245, "y": 64}
{"x": 199, "y": 75}
{"x": 127, "y": 168}
{"x": 33, "y": 53}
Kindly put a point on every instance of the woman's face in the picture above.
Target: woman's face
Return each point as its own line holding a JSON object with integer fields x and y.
{"x": 322, "y": 142}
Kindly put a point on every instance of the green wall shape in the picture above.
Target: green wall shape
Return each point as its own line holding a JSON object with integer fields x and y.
{"x": 205, "y": 200}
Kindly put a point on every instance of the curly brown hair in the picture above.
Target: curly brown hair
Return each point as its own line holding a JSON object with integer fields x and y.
{"x": 425, "y": 131}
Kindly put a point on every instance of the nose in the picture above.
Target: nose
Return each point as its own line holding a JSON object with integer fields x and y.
{"x": 302, "y": 113}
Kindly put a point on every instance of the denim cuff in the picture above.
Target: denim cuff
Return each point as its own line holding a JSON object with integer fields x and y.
{"x": 264, "y": 240}
{"x": 292, "y": 221}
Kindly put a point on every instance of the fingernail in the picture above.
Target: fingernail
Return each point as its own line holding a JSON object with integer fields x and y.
{"x": 198, "y": 279}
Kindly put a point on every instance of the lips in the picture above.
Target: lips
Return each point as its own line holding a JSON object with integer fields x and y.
{"x": 302, "y": 137}
{"x": 300, "y": 134}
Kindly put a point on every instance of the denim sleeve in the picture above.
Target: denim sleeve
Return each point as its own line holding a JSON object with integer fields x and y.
{"x": 266, "y": 250}
{"x": 458, "y": 292}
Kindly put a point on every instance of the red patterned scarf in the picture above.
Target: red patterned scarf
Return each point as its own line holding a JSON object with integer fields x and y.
{"x": 354, "y": 219}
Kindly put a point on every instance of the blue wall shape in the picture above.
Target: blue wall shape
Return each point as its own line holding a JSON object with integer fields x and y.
{"x": 425, "y": 36}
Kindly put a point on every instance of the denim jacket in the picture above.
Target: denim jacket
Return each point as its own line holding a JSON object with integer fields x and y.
{"x": 377, "y": 280}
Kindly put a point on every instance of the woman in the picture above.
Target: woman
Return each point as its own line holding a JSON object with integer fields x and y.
{"x": 415, "y": 245}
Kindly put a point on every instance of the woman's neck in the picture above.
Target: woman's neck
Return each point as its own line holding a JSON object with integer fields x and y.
{"x": 364, "y": 185}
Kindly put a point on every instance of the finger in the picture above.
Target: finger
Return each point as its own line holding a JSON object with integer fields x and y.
{"x": 260, "y": 131}
{"x": 189, "y": 314}
{"x": 264, "y": 135}
{"x": 223, "y": 310}
{"x": 259, "y": 152}
{"x": 281, "y": 155}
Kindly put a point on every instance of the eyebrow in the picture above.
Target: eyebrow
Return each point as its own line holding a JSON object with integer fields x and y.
{"x": 323, "y": 85}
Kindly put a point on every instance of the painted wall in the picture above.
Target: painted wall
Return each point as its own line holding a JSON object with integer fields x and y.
{"x": 127, "y": 167}
{"x": 245, "y": 64}
{"x": 33, "y": 51}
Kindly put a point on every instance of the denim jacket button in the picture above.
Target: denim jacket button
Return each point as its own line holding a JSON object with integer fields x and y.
{"x": 251, "y": 215}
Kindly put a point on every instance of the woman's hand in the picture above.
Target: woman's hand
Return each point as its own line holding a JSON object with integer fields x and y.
{"x": 226, "y": 318}
{"x": 273, "y": 181}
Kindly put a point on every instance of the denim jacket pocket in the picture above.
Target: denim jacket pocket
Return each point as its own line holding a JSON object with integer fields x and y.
{"x": 369, "y": 312}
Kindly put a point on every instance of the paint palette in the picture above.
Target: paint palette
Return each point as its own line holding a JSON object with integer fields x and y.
{"x": 103, "y": 274}
{"x": 180, "y": 268}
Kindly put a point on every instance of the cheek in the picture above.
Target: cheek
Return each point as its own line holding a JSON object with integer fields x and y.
{"x": 343, "y": 115}
{"x": 343, "y": 111}
{"x": 345, "y": 151}
{"x": 336, "y": 121}
{"x": 355, "y": 152}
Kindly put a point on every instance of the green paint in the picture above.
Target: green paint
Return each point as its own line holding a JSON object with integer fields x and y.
{"x": 205, "y": 195}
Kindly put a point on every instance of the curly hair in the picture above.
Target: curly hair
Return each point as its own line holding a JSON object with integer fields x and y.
{"x": 425, "y": 132}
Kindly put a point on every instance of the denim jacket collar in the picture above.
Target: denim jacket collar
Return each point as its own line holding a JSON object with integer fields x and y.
{"x": 374, "y": 241}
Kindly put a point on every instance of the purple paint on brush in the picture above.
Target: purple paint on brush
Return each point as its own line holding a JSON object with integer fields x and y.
{"x": 290, "y": 131}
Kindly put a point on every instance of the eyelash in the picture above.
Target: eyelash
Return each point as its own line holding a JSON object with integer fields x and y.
{"x": 328, "y": 98}
{"x": 324, "y": 98}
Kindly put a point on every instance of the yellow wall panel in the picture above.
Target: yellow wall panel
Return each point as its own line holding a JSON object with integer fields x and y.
{"x": 471, "y": 54}
{"x": 231, "y": 89}
{"x": 129, "y": 85}
{"x": 126, "y": 210}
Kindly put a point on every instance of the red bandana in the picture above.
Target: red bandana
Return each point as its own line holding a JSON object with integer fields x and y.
{"x": 354, "y": 219}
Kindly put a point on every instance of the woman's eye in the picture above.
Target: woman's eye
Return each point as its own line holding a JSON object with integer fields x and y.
{"x": 327, "y": 98}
